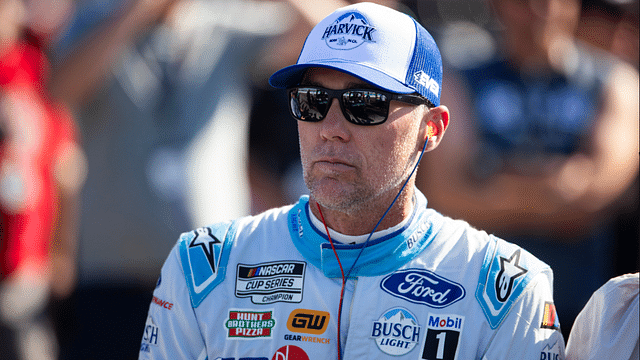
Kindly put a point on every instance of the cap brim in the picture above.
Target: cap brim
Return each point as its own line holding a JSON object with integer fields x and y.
{"x": 292, "y": 75}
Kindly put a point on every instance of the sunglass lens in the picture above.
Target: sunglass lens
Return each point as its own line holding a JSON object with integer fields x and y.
{"x": 308, "y": 104}
{"x": 365, "y": 107}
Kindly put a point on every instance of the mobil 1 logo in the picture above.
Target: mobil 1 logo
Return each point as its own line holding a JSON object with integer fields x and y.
{"x": 442, "y": 337}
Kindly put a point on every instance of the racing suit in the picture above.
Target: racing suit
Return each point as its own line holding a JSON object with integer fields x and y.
{"x": 268, "y": 287}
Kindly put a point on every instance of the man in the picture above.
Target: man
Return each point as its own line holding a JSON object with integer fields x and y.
{"x": 361, "y": 268}
{"x": 607, "y": 327}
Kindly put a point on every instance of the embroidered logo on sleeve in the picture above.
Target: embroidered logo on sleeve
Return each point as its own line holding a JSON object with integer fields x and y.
{"x": 210, "y": 246}
{"x": 506, "y": 271}
{"x": 551, "y": 352}
{"x": 550, "y": 317}
{"x": 509, "y": 272}
{"x": 150, "y": 336}
{"x": 204, "y": 254}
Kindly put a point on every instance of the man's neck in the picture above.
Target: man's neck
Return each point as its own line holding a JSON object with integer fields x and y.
{"x": 362, "y": 221}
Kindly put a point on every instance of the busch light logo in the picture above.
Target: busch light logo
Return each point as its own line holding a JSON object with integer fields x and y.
{"x": 396, "y": 332}
{"x": 422, "y": 287}
{"x": 348, "y": 32}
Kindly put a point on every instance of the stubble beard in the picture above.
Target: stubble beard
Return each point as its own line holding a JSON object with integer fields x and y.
{"x": 353, "y": 197}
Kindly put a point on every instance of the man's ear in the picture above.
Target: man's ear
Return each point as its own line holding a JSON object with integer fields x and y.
{"x": 437, "y": 123}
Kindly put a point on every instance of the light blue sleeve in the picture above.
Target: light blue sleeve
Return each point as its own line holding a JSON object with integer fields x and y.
{"x": 530, "y": 331}
{"x": 171, "y": 330}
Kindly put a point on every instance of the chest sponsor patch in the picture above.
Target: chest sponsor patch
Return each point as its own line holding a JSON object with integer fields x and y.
{"x": 442, "y": 337}
{"x": 271, "y": 282}
{"x": 396, "y": 332}
{"x": 246, "y": 324}
{"x": 290, "y": 352}
{"x": 308, "y": 321}
{"x": 424, "y": 287}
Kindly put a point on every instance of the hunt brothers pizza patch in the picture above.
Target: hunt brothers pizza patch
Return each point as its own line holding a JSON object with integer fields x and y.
{"x": 250, "y": 324}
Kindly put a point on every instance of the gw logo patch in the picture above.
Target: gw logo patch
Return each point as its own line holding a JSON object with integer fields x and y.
{"x": 266, "y": 283}
{"x": 308, "y": 321}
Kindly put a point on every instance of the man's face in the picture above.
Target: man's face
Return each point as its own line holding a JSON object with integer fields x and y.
{"x": 349, "y": 167}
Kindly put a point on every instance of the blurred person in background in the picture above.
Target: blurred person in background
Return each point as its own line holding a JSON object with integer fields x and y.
{"x": 42, "y": 170}
{"x": 612, "y": 25}
{"x": 547, "y": 144}
{"x": 161, "y": 92}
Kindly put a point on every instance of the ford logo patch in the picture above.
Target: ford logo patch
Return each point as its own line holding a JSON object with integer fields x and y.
{"x": 422, "y": 287}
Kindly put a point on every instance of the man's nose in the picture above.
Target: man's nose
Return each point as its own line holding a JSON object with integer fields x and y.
{"x": 334, "y": 125}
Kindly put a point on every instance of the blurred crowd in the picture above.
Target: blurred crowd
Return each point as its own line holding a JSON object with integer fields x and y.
{"x": 110, "y": 111}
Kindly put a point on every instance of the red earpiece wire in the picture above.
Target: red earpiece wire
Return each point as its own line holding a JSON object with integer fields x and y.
{"x": 344, "y": 282}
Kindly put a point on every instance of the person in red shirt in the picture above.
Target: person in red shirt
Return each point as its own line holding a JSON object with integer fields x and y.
{"x": 41, "y": 172}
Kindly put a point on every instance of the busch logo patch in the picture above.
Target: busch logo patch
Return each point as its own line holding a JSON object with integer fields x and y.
{"x": 271, "y": 282}
{"x": 348, "y": 32}
{"x": 250, "y": 324}
{"x": 396, "y": 332}
{"x": 442, "y": 337}
{"x": 422, "y": 287}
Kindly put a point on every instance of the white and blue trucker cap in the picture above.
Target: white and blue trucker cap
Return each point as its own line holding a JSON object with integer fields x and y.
{"x": 379, "y": 45}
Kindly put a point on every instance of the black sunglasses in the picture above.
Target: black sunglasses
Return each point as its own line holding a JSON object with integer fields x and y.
{"x": 359, "y": 106}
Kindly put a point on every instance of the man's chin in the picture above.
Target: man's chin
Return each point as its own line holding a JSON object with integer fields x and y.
{"x": 335, "y": 197}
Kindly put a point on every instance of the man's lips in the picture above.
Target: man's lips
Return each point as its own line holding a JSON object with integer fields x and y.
{"x": 332, "y": 164}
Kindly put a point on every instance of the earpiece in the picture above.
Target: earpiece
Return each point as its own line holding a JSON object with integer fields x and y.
{"x": 431, "y": 130}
